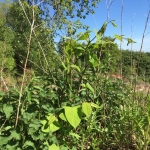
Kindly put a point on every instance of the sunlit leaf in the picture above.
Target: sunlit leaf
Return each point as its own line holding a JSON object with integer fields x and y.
{"x": 88, "y": 86}
{"x": 72, "y": 116}
{"x": 51, "y": 124}
{"x": 87, "y": 109}
{"x": 64, "y": 66}
{"x": 119, "y": 37}
{"x": 54, "y": 147}
{"x": 96, "y": 106}
{"x": 85, "y": 36}
{"x": 63, "y": 117}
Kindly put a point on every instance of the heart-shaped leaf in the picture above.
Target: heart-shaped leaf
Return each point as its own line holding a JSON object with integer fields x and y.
{"x": 72, "y": 116}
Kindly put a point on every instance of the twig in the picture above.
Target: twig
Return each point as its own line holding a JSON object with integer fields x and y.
{"x": 108, "y": 4}
{"x": 146, "y": 25}
{"x": 2, "y": 79}
{"x": 132, "y": 49}
{"x": 3, "y": 125}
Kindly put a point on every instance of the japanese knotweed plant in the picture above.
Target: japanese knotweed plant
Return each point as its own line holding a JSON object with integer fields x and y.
{"x": 76, "y": 107}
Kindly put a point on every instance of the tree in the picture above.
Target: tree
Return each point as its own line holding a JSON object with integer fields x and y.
{"x": 7, "y": 63}
{"x": 21, "y": 27}
{"x": 109, "y": 53}
{"x": 62, "y": 10}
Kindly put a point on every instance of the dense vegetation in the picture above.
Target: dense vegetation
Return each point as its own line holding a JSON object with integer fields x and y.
{"x": 130, "y": 64}
{"x": 62, "y": 96}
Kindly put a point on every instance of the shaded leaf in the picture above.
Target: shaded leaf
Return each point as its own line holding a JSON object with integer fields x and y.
{"x": 112, "y": 22}
{"x": 15, "y": 135}
{"x": 75, "y": 67}
{"x": 74, "y": 135}
{"x": 8, "y": 110}
{"x": 29, "y": 144}
{"x": 4, "y": 140}
{"x": 130, "y": 41}
{"x": 102, "y": 29}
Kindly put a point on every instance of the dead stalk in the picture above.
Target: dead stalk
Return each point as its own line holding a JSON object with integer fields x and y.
{"x": 122, "y": 9}
{"x": 2, "y": 79}
{"x": 25, "y": 65}
{"x": 140, "y": 56}
{"x": 38, "y": 40}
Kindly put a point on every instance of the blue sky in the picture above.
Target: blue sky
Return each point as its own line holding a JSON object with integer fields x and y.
{"x": 137, "y": 9}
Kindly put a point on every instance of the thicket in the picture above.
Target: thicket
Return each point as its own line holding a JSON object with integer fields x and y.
{"x": 69, "y": 101}
{"x": 130, "y": 64}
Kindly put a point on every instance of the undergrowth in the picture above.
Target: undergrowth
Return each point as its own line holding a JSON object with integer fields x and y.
{"x": 77, "y": 106}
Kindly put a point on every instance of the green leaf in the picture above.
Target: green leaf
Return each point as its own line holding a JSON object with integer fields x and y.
{"x": 87, "y": 109}
{"x": 54, "y": 147}
{"x": 112, "y": 22}
{"x": 130, "y": 41}
{"x": 95, "y": 105}
{"x": 1, "y": 98}
{"x": 63, "y": 117}
{"x": 37, "y": 88}
{"x": 85, "y": 36}
{"x": 83, "y": 85}
{"x": 36, "y": 124}
{"x": 72, "y": 116}
{"x": 74, "y": 135}
{"x": 102, "y": 29}
{"x": 63, "y": 65}
{"x": 8, "y": 110}
{"x": 75, "y": 67}
{"x": 94, "y": 62}
{"x": 51, "y": 124}
{"x": 28, "y": 144}
{"x": 7, "y": 128}
{"x": 29, "y": 95}
{"x": 2, "y": 94}
{"x": 88, "y": 86}
{"x": 51, "y": 118}
{"x": 26, "y": 116}
{"x": 119, "y": 37}
{"x": 78, "y": 50}
{"x": 63, "y": 147}
{"x": 4, "y": 140}
{"x": 15, "y": 135}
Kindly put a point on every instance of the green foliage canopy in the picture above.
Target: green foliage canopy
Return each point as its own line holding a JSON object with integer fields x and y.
{"x": 7, "y": 61}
